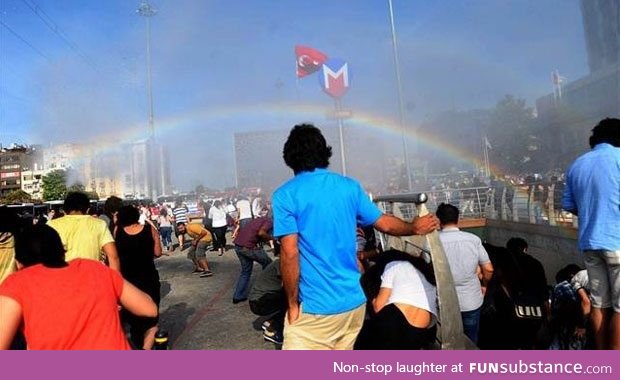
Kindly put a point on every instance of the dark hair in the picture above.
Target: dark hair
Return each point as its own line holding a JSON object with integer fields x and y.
{"x": 112, "y": 205}
{"x": 306, "y": 149}
{"x": 566, "y": 273}
{"x": 76, "y": 201}
{"x": 8, "y": 219}
{"x": 447, "y": 214}
{"x": 606, "y": 131}
{"x": 128, "y": 215}
{"x": 180, "y": 224}
{"x": 516, "y": 245}
{"x": 371, "y": 279}
{"x": 39, "y": 244}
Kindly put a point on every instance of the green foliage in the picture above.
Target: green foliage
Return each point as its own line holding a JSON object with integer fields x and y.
{"x": 76, "y": 188}
{"x": 54, "y": 185}
{"x": 512, "y": 134}
{"x": 17, "y": 196}
{"x": 92, "y": 195}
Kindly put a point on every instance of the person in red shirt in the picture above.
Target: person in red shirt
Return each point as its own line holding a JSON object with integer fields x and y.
{"x": 65, "y": 306}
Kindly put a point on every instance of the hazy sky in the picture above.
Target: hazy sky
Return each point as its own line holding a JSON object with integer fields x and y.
{"x": 228, "y": 65}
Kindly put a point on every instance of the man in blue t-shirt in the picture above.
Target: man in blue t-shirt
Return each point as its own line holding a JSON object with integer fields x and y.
{"x": 315, "y": 216}
{"x": 593, "y": 193}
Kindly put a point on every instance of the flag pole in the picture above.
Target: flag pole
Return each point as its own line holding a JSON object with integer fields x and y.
{"x": 337, "y": 107}
{"x": 487, "y": 169}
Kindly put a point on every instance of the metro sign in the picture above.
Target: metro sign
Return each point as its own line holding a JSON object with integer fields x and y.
{"x": 334, "y": 77}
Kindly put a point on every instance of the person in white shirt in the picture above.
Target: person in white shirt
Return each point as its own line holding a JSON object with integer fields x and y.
{"x": 467, "y": 258}
{"x": 245, "y": 211}
{"x": 219, "y": 224}
{"x": 257, "y": 207}
{"x": 405, "y": 303}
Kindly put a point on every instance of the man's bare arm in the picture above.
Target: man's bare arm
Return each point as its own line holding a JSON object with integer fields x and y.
{"x": 394, "y": 226}
{"x": 112, "y": 255}
{"x": 289, "y": 266}
{"x": 487, "y": 273}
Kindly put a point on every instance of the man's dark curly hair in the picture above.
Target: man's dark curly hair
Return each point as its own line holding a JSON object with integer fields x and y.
{"x": 606, "y": 131}
{"x": 306, "y": 149}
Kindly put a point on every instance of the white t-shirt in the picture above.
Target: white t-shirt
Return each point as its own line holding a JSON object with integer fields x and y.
{"x": 581, "y": 281}
{"x": 257, "y": 206}
{"x": 218, "y": 216}
{"x": 245, "y": 211}
{"x": 409, "y": 286}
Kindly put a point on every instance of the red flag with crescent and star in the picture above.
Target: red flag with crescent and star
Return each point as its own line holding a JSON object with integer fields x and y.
{"x": 309, "y": 60}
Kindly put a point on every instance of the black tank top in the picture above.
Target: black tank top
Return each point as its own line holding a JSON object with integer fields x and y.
{"x": 136, "y": 254}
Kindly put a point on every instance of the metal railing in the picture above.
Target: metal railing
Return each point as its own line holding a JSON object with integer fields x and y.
{"x": 406, "y": 206}
{"x": 536, "y": 203}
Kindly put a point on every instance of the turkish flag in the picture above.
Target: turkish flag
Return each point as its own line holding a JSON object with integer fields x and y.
{"x": 309, "y": 60}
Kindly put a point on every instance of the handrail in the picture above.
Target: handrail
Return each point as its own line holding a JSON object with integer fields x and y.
{"x": 532, "y": 203}
{"x": 450, "y": 333}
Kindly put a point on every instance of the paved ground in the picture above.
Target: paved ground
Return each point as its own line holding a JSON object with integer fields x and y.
{"x": 198, "y": 313}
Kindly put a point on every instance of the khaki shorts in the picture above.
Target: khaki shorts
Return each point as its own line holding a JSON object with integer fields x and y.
{"x": 604, "y": 277}
{"x": 198, "y": 252}
{"x": 323, "y": 332}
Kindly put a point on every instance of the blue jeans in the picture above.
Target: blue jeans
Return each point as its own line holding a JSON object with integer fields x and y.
{"x": 247, "y": 257}
{"x": 166, "y": 236}
{"x": 471, "y": 324}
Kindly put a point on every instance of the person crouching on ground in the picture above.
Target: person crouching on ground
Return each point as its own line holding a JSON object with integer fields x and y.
{"x": 201, "y": 238}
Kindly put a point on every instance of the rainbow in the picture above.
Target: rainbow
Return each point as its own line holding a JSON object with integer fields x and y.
{"x": 275, "y": 115}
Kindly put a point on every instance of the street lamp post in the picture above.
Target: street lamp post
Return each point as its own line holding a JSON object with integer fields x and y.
{"x": 401, "y": 113}
{"x": 147, "y": 11}
{"x": 153, "y": 172}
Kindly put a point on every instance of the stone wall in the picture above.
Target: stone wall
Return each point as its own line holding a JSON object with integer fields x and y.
{"x": 555, "y": 247}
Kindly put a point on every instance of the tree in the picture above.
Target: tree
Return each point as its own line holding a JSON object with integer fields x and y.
{"x": 54, "y": 185}
{"x": 77, "y": 187}
{"x": 511, "y": 133}
{"x": 17, "y": 196}
{"x": 92, "y": 195}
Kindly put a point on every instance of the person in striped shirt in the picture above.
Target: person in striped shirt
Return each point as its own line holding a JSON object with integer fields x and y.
{"x": 179, "y": 212}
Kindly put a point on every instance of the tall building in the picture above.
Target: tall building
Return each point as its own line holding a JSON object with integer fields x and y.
{"x": 601, "y": 24}
{"x": 132, "y": 170}
{"x": 569, "y": 118}
{"x": 14, "y": 162}
{"x": 32, "y": 182}
{"x": 146, "y": 172}
{"x": 61, "y": 156}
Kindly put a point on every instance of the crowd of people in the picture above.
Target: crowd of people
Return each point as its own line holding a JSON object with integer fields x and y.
{"x": 84, "y": 281}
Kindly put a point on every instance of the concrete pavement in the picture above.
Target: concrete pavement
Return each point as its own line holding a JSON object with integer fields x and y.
{"x": 198, "y": 313}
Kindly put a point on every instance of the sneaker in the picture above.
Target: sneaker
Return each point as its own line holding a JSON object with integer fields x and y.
{"x": 266, "y": 325}
{"x": 273, "y": 337}
{"x": 206, "y": 273}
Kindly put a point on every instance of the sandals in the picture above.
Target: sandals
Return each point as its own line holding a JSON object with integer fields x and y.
{"x": 206, "y": 273}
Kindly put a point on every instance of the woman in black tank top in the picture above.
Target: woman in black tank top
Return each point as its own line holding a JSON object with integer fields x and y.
{"x": 137, "y": 246}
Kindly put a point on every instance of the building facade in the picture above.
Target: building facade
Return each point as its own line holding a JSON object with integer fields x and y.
{"x": 601, "y": 24}
{"x": 14, "y": 162}
{"x": 569, "y": 115}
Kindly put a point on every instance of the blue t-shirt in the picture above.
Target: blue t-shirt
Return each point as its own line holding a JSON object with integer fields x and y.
{"x": 323, "y": 208}
{"x": 593, "y": 190}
